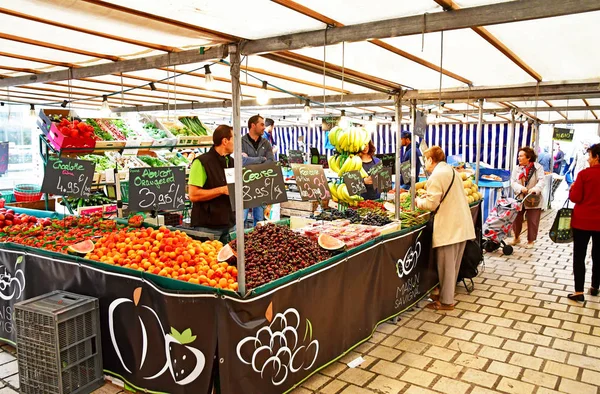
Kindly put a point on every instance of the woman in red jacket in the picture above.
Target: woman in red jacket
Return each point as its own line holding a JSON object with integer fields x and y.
{"x": 585, "y": 193}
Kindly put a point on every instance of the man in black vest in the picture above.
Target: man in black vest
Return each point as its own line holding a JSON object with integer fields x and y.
{"x": 211, "y": 210}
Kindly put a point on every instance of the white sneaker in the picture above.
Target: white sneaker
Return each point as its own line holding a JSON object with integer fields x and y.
{"x": 530, "y": 245}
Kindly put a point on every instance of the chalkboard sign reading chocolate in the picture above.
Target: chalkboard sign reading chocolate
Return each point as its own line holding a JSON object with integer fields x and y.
{"x": 156, "y": 188}
{"x": 296, "y": 157}
{"x": 311, "y": 182}
{"x": 68, "y": 177}
{"x": 561, "y": 134}
{"x": 354, "y": 182}
{"x": 262, "y": 184}
{"x": 3, "y": 157}
{"x": 388, "y": 160}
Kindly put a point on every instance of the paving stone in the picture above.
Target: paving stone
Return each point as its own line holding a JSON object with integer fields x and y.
{"x": 333, "y": 387}
{"x": 474, "y": 317}
{"x": 504, "y": 369}
{"x": 386, "y": 353}
{"x": 7, "y": 390}
{"x": 582, "y": 328}
{"x": 418, "y": 390}
{"x": 587, "y": 339}
{"x": 479, "y": 327}
{"x": 592, "y": 321}
{"x": 488, "y": 302}
{"x": 592, "y": 377}
{"x": 385, "y": 385}
{"x": 582, "y": 311}
{"x": 364, "y": 348}
{"x": 566, "y": 371}
{"x": 356, "y": 376}
{"x": 536, "y": 339}
{"x": 480, "y": 378}
{"x": 488, "y": 340}
{"x": 434, "y": 339}
{"x": 299, "y": 390}
{"x": 451, "y": 386}
{"x": 377, "y": 337}
{"x": 568, "y": 346}
{"x": 506, "y": 333}
{"x": 440, "y": 353}
{"x": 550, "y": 354}
{"x": 390, "y": 341}
{"x": 6, "y": 357}
{"x": 573, "y": 387}
{"x": 460, "y": 333}
{"x": 500, "y": 321}
{"x": 316, "y": 382}
{"x": 526, "y": 361}
{"x": 506, "y": 297}
{"x": 584, "y": 362}
{"x": 434, "y": 328}
{"x": 516, "y": 346}
{"x": 488, "y": 310}
{"x": 9, "y": 369}
{"x": 414, "y": 360}
{"x": 524, "y": 317}
{"x": 513, "y": 386}
{"x": 546, "y": 321}
{"x": 412, "y": 346}
{"x": 408, "y": 333}
{"x": 481, "y": 390}
{"x": 334, "y": 369}
{"x": 529, "y": 327}
{"x": 13, "y": 381}
{"x": 591, "y": 351}
{"x": 463, "y": 346}
{"x": 511, "y": 306}
{"x": 453, "y": 321}
{"x": 494, "y": 354}
{"x": 389, "y": 369}
{"x": 415, "y": 376}
{"x": 471, "y": 361}
{"x": 557, "y": 333}
{"x": 445, "y": 369}
{"x": 429, "y": 316}
{"x": 352, "y": 389}
{"x": 413, "y": 323}
{"x": 539, "y": 378}
{"x": 565, "y": 316}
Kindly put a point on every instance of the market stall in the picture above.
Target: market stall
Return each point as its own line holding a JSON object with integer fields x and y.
{"x": 165, "y": 335}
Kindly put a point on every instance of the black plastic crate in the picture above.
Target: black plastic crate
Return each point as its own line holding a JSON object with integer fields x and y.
{"x": 58, "y": 344}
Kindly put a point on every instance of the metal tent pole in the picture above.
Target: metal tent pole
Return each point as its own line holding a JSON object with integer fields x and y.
{"x": 511, "y": 140}
{"x": 237, "y": 151}
{"x": 413, "y": 153}
{"x": 398, "y": 149}
{"x": 479, "y": 135}
{"x": 536, "y": 134}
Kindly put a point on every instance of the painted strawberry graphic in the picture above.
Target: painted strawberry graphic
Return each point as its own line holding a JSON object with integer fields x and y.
{"x": 185, "y": 362}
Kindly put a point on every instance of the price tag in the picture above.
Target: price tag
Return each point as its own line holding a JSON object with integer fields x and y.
{"x": 68, "y": 177}
{"x": 283, "y": 160}
{"x": 3, "y": 157}
{"x": 311, "y": 182}
{"x": 230, "y": 175}
{"x": 354, "y": 182}
{"x": 262, "y": 184}
{"x": 385, "y": 179}
{"x": 156, "y": 188}
{"x": 420, "y": 124}
{"x": 296, "y": 157}
{"x": 561, "y": 134}
{"x": 109, "y": 174}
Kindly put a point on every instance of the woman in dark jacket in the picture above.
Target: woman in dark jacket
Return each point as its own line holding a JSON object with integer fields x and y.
{"x": 585, "y": 193}
{"x": 369, "y": 161}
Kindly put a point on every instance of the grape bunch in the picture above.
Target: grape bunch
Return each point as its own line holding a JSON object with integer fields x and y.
{"x": 273, "y": 251}
{"x": 374, "y": 219}
{"x": 352, "y": 215}
{"x": 329, "y": 214}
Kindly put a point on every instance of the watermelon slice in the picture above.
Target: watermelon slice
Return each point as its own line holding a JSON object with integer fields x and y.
{"x": 330, "y": 243}
{"x": 226, "y": 253}
{"x": 81, "y": 248}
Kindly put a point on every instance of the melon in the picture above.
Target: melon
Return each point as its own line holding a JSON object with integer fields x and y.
{"x": 330, "y": 243}
{"x": 81, "y": 248}
{"x": 226, "y": 253}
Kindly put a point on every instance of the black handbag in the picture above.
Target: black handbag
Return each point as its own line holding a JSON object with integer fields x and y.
{"x": 429, "y": 225}
{"x": 561, "y": 231}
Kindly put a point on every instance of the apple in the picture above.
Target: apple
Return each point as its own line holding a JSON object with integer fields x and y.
{"x": 8, "y": 222}
{"x": 17, "y": 220}
{"x": 11, "y": 211}
{"x": 9, "y": 216}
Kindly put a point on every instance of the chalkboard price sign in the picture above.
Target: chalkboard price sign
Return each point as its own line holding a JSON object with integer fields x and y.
{"x": 296, "y": 157}
{"x": 262, "y": 185}
{"x": 3, "y": 157}
{"x": 311, "y": 182}
{"x": 561, "y": 134}
{"x": 388, "y": 160}
{"x": 420, "y": 124}
{"x": 283, "y": 160}
{"x": 156, "y": 188}
{"x": 68, "y": 177}
{"x": 354, "y": 182}
{"x": 385, "y": 179}
{"x": 405, "y": 171}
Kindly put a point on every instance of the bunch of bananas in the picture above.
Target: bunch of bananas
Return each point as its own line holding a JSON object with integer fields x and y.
{"x": 350, "y": 140}
{"x": 341, "y": 164}
{"x": 339, "y": 193}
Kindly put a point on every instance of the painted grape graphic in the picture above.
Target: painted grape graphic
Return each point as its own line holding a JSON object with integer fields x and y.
{"x": 277, "y": 350}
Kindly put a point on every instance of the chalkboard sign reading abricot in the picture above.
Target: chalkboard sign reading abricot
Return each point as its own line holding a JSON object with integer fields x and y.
{"x": 354, "y": 182}
{"x": 311, "y": 182}
{"x": 262, "y": 184}
{"x": 157, "y": 188}
{"x": 68, "y": 177}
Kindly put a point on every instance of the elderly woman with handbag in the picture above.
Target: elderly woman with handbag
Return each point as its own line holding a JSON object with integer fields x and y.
{"x": 528, "y": 181}
{"x": 453, "y": 224}
{"x": 585, "y": 222}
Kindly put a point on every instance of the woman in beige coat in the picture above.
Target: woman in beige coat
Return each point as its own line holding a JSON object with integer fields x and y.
{"x": 528, "y": 178}
{"x": 453, "y": 224}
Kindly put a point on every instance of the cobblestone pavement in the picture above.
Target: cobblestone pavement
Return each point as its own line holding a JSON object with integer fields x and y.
{"x": 516, "y": 333}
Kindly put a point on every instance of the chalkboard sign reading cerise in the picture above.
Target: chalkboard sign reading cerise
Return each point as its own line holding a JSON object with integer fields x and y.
{"x": 354, "y": 182}
{"x": 262, "y": 184}
{"x": 157, "y": 188}
{"x": 68, "y": 177}
{"x": 296, "y": 157}
{"x": 311, "y": 182}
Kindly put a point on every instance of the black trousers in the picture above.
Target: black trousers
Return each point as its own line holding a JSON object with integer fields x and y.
{"x": 581, "y": 239}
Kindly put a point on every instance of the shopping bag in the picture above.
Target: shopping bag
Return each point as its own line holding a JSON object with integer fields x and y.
{"x": 561, "y": 231}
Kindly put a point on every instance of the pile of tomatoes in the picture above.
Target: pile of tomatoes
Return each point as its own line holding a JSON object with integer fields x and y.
{"x": 75, "y": 129}
{"x": 166, "y": 253}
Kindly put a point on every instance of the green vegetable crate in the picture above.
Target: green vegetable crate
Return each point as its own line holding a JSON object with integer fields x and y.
{"x": 124, "y": 191}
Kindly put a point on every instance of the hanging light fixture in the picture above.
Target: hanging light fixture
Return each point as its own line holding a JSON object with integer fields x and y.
{"x": 64, "y": 104}
{"x": 32, "y": 110}
{"x": 104, "y": 108}
{"x": 152, "y": 86}
{"x": 344, "y": 121}
{"x": 306, "y": 114}
{"x": 209, "y": 79}
{"x": 262, "y": 98}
